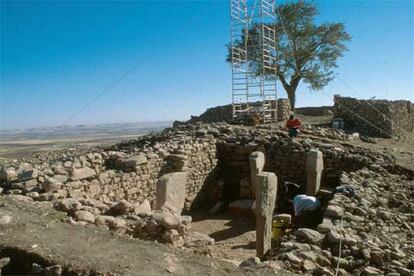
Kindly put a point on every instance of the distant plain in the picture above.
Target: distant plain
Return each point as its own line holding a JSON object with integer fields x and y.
{"x": 18, "y": 143}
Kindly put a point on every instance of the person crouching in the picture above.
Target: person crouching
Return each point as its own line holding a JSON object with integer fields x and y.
{"x": 293, "y": 125}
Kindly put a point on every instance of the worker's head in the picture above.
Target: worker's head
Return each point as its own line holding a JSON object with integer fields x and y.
{"x": 291, "y": 117}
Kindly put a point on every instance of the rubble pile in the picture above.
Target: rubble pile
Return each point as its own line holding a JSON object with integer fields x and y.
{"x": 374, "y": 230}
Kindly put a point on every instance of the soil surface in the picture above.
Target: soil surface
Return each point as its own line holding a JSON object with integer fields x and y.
{"x": 235, "y": 237}
{"x": 39, "y": 232}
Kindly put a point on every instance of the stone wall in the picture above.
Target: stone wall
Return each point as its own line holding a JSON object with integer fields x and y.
{"x": 224, "y": 113}
{"x": 283, "y": 109}
{"x": 375, "y": 117}
{"x": 287, "y": 159}
{"x": 207, "y": 152}
{"x": 111, "y": 176}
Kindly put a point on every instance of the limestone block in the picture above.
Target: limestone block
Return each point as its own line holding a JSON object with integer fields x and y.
{"x": 82, "y": 173}
{"x": 266, "y": 190}
{"x": 134, "y": 161}
{"x": 314, "y": 168}
{"x": 171, "y": 191}
{"x": 256, "y": 164}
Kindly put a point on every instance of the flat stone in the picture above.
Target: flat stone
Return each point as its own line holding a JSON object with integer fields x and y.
{"x": 292, "y": 258}
{"x": 309, "y": 265}
{"x": 68, "y": 205}
{"x": 117, "y": 223}
{"x": 309, "y": 235}
{"x": 171, "y": 191}
{"x": 134, "y": 161}
{"x": 85, "y": 216}
{"x": 20, "y": 198}
{"x": 334, "y": 211}
{"x": 104, "y": 220}
{"x": 325, "y": 226}
{"x": 82, "y": 173}
{"x": 196, "y": 239}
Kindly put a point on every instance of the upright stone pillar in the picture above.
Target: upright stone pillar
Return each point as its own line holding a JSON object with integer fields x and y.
{"x": 314, "y": 168}
{"x": 266, "y": 189}
{"x": 171, "y": 191}
{"x": 256, "y": 164}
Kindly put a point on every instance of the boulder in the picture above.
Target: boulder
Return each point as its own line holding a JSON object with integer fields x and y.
{"x": 68, "y": 205}
{"x": 84, "y": 216}
{"x": 309, "y": 235}
{"x": 82, "y": 173}
{"x": 134, "y": 161}
{"x": 104, "y": 220}
{"x": 8, "y": 174}
{"x": 143, "y": 208}
{"x": 120, "y": 208}
{"x": 197, "y": 240}
{"x": 334, "y": 211}
{"x": 26, "y": 172}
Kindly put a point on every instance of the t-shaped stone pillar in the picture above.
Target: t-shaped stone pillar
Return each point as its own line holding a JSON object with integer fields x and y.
{"x": 171, "y": 191}
{"x": 256, "y": 164}
{"x": 266, "y": 190}
{"x": 314, "y": 168}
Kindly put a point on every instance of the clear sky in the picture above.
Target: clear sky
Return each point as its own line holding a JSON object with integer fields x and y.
{"x": 57, "y": 56}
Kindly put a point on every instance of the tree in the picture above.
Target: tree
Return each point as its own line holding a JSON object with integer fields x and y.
{"x": 305, "y": 51}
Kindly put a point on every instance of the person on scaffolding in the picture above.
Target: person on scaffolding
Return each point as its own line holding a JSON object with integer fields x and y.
{"x": 293, "y": 125}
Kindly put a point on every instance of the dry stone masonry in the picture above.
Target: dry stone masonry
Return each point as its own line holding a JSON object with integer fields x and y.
{"x": 386, "y": 118}
{"x": 116, "y": 188}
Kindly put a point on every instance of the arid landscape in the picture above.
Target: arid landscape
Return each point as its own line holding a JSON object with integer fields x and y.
{"x": 238, "y": 137}
{"x": 20, "y": 143}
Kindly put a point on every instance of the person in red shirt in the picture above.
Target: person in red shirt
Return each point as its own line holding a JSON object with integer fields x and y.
{"x": 293, "y": 125}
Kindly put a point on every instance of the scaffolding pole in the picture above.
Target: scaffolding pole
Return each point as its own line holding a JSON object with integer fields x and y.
{"x": 253, "y": 59}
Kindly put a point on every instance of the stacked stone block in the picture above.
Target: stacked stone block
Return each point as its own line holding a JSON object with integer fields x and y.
{"x": 375, "y": 117}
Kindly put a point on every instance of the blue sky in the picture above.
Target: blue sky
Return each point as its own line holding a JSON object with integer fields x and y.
{"x": 57, "y": 56}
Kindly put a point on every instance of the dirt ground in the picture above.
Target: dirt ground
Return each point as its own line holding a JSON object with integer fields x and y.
{"x": 40, "y": 232}
{"x": 235, "y": 237}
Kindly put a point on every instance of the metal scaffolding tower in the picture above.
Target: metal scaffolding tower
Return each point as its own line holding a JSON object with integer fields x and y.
{"x": 253, "y": 59}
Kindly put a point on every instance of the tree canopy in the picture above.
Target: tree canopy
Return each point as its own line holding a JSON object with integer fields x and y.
{"x": 305, "y": 51}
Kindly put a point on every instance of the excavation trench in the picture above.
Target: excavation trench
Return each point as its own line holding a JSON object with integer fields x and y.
{"x": 217, "y": 171}
{"x": 227, "y": 215}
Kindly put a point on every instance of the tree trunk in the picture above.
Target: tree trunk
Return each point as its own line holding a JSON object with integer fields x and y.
{"x": 291, "y": 93}
{"x": 290, "y": 89}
